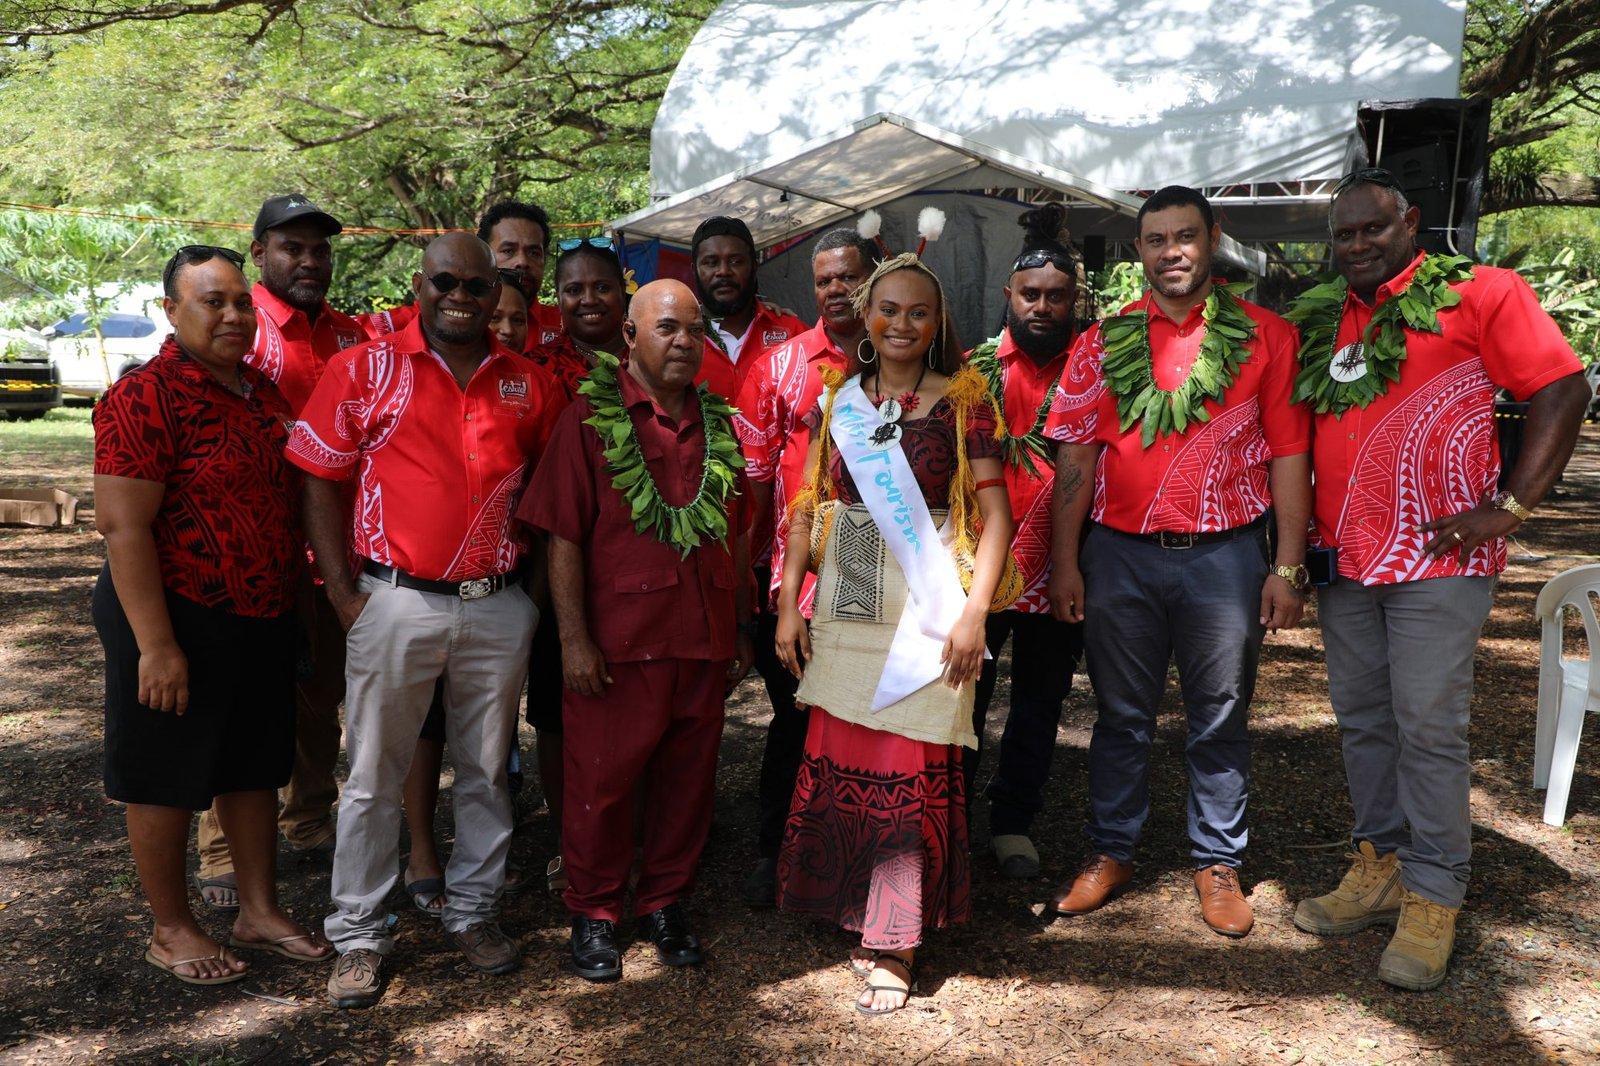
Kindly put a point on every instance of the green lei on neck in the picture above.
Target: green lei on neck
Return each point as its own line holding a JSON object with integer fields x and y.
{"x": 1320, "y": 310}
{"x": 1131, "y": 379}
{"x": 1014, "y": 447}
{"x": 703, "y": 518}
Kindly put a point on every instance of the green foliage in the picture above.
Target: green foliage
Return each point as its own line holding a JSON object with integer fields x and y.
{"x": 1118, "y": 285}
{"x": 60, "y": 264}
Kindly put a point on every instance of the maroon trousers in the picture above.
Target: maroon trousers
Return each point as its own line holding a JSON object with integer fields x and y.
{"x": 657, "y": 728}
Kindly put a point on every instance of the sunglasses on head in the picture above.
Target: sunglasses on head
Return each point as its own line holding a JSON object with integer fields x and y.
{"x": 567, "y": 244}
{"x": 199, "y": 253}
{"x": 1367, "y": 176}
{"x": 446, "y": 283}
{"x": 1038, "y": 257}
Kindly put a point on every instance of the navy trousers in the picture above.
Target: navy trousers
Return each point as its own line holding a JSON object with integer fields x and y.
{"x": 1146, "y": 606}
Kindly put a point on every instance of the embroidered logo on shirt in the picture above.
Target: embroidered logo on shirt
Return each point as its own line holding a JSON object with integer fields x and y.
{"x": 347, "y": 340}
{"x": 549, "y": 336}
{"x": 774, "y": 336}
{"x": 513, "y": 388}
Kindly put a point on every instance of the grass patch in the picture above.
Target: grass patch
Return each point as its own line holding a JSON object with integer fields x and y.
{"x": 56, "y": 450}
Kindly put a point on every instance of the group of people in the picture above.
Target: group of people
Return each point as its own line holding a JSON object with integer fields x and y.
{"x": 630, "y": 502}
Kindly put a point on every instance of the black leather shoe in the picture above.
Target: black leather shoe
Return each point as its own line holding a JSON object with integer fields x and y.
{"x": 675, "y": 945}
{"x": 761, "y": 887}
{"x": 595, "y": 955}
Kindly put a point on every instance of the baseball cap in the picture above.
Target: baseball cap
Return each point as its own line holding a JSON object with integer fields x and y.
{"x": 292, "y": 208}
{"x": 721, "y": 226}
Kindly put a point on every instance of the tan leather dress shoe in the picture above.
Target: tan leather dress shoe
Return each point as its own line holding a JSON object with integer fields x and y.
{"x": 1099, "y": 879}
{"x": 1222, "y": 902}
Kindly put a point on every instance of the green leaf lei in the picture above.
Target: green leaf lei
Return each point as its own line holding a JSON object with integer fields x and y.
{"x": 1320, "y": 310}
{"x": 703, "y": 518}
{"x": 1014, "y": 447}
{"x": 1128, "y": 373}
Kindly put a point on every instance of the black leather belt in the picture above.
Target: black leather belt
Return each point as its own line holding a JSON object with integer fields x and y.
{"x": 1181, "y": 541}
{"x": 475, "y": 589}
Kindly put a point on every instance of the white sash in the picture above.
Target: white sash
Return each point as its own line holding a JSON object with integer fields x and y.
{"x": 889, "y": 490}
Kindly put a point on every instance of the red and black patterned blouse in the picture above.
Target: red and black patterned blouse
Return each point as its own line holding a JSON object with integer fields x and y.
{"x": 930, "y": 446}
{"x": 227, "y": 532}
{"x": 562, "y": 358}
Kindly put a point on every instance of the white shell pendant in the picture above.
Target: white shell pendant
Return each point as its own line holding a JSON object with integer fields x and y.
{"x": 1348, "y": 363}
{"x": 889, "y": 410}
{"x": 884, "y": 437}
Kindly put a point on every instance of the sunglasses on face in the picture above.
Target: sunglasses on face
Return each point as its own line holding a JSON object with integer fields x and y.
{"x": 446, "y": 283}
{"x": 1366, "y": 176}
{"x": 567, "y": 244}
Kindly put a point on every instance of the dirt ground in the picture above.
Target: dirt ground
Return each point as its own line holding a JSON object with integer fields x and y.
{"x": 1141, "y": 981}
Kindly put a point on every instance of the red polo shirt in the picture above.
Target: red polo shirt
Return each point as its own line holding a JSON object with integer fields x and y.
{"x": 1427, "y": 448}
{"x": 778, "y": 390}
{"x": 768, "y": 329}
{"x": 226, "y": 532}
{"x": 439, "y": 470}
{"x": 1212, "y": 476}
{"x": 1029, "y": 485}
{"x": 642, "y": 600}
{"x": 290, "y": 350}
{"x": 564, "y": 362}
{"x": 544, "y": 325}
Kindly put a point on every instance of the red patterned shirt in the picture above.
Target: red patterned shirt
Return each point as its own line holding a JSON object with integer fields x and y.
{"x": 226, "y": 534}
{"x": 564, "y": 362}
{"x": 1427, "y": 448}
{"x": 1212, "y": 476}
{"x": 292, "y": 351}
{"x": 385, "y": 323}
{"x": 439, "y": 470}
{"x": 1029, "y": 485}
{"x": 777, "y": 393}
{"x": 768, "y": 329}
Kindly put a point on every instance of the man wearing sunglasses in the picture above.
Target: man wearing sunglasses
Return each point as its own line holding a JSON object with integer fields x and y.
{"x": 1406, "y": 467}
{"x": 1022, "y": 366}
{"x": 296, "y": 334}
{"x": 437, "y": 425}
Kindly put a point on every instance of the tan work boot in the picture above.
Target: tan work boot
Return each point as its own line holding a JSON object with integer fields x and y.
{"x": 1368, "y": 895}
{"x": 1419, "y": 952}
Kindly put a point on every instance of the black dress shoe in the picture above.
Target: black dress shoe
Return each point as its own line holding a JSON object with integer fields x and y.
{"x": 595, "y": 956}
{"x": 761, "y": 887}
{"x": 675, "y": 945}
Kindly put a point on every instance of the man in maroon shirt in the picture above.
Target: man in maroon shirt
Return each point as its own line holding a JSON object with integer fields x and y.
{"x": 296, "y": 334}
{"x": 653, "y": 630}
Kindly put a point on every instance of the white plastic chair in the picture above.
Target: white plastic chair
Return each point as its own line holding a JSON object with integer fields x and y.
{"x": 1567, "y": 687}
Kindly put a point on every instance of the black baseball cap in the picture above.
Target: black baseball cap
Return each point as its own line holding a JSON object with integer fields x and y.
{"x": 721, "y": 226}
{"x": 292, "y": 208}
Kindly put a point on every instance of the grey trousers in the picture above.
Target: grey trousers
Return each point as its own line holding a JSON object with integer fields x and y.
{"x": 1400, "y": 677}
{"x": 396, "y": 651}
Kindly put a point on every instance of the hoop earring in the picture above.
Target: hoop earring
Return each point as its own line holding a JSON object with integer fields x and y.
{"x": 863, "y": 360}
{"x": 932, "y": 356}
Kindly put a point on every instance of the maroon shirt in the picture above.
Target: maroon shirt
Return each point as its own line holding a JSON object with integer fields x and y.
{"x": 226, "y": 534}
{"x": 642, "y": 600}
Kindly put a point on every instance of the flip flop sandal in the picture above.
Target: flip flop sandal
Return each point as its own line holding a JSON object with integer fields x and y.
{"x": 427, "y": 894}
{"x": 172, "y": 968}
{"x": 863, "y": 965}
{"x": 276, "y": 946}
{"x": 227, "y": 882}
{"x": 908, "y": 991}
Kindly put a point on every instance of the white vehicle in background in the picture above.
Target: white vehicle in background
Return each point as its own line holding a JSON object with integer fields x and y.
{"x": 132, "y": 333}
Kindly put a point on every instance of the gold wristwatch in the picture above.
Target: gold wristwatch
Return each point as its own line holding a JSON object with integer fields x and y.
{"x": 1298, "y": 576}
{"x": 1507, "y": 502}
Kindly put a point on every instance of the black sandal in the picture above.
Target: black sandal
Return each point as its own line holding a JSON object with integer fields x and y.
{"x": 878, "y": 960}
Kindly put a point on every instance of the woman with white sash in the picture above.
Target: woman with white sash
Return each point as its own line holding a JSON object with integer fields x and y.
{"x": 904, "y": 479}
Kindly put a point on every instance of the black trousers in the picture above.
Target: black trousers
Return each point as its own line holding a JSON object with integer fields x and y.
{"x": 786, "y": 733}
{"x": 1044, "y": 654}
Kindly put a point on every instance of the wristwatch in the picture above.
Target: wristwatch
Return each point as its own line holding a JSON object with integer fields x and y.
{"x": 1298, "y": 576}
{"x": 1507, "y": 502}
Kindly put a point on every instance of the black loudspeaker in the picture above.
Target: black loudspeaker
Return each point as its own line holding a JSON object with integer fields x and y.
{"x": 1438, "y": 152}
{"x": 1094, "y": 253}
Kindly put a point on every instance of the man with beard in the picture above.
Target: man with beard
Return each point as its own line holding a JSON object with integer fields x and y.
{"x": 781, "y": 387}
{"x": 438, "y": 425}
{"x": 739, "y": 327}
{"x": 1178, "y": 439}
{"x": 1022, "y": 367}
{"x": 296, "y": 334}
{"x": 519, "y": 236}
{"x": 1403, "y": 356}
{"x": 639, "y": 496}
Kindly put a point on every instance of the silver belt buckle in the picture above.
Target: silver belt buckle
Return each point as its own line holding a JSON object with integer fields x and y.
{"x": 1180, "y": 541}
{"x": 477, "y": 588}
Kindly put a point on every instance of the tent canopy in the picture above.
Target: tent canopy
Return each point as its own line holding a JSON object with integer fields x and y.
{"x": 1125, "y": 94}
{"x": 870, "y": 163}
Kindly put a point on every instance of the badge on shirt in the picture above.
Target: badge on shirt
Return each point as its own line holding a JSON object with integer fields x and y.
{"x": 549, "y": 336}
{"x": 513, "y": 396}
{"x": 774, "y": 336}
{"x": 347, "y": 340}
